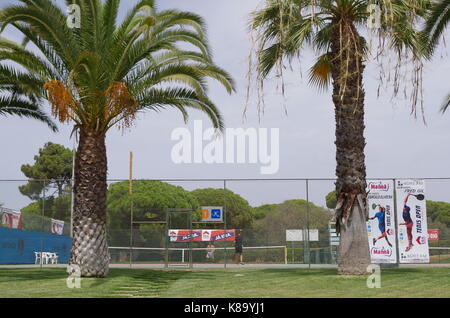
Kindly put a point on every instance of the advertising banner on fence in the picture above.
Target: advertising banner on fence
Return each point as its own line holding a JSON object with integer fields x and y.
{"x": 212, "y": 214}
{"x": 412, "y": 221}
{"x": 300, "y": 236}
{"x": 19, "y": 246}
{"x": 201, "y": 235}
{"x": 381, "y": 224}
{"x": 11, "y": 218}
{"x": 57, "y": 227}
{"x": 433, "y": 235}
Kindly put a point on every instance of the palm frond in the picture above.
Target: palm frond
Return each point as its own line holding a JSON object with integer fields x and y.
{"x": 181, "y": 98}
{"x": 437, "y": 21}
{"x": 282, "y": 29}
{"x": 320, "y": 73}
{"x": 446, "y": 104}
{"x": 46, "y": 19}
{"x": 93, "y": 75}
{"x": 21, "y": 107}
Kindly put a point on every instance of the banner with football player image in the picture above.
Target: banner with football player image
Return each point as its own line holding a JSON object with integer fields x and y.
{"x": 412, "y": 221}
{"x": 381, "y": 223}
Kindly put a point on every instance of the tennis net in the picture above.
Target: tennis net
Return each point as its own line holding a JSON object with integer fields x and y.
{"x": 157, "y": 255}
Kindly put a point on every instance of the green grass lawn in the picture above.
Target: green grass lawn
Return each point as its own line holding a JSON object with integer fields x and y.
{"x": 411, "y": 282}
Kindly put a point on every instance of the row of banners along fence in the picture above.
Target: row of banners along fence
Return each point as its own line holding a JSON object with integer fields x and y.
{"x": 281, "y": 221}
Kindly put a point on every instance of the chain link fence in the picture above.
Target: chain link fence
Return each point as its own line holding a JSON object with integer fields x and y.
{"x": 263, "y": 209}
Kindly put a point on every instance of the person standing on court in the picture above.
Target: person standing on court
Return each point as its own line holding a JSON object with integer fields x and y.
{"x": 238, "y": 256}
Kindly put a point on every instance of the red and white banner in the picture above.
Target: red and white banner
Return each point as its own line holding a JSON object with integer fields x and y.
{"x": 412, "y": 229}
{"x": 57, "y": 227}
{"x": 11, "y": 218}
{"x": 201, "y": 235}
{"x": 433, "y": 235}
{"x": 381, "y": 223}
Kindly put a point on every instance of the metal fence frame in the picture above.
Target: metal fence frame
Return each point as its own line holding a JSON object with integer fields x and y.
{"x": 306, "y": 181}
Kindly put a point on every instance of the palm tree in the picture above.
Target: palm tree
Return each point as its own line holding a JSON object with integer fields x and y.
{"x": 283, "y": 28}
{"x": 436, "y": 24}
{"x": 18, "y": 97}
{"x": 104, "y": 74}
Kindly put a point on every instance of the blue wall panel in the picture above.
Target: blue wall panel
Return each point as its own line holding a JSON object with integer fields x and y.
{"x": 18, "y": 246}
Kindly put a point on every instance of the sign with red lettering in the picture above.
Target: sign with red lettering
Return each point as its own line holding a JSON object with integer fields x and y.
{"x": 412, "y": 230}
{"x": 381, "y": 223}
{"x": 201, "y": 235}
{"x": 433, "y": 235}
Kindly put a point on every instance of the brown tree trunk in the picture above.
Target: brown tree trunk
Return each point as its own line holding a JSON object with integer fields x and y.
{"x": 348, "y": 97}
{"x": 89, "y": 245}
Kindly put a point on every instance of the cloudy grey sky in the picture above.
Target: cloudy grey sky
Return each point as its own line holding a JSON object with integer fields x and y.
{"x": 398, "y": 145}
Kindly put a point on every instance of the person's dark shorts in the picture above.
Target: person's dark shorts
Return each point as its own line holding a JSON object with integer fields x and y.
{"x": 238, "y": 250}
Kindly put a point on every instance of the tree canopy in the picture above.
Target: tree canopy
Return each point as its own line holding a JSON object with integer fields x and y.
{"x": 271, "y": 225}
{"x": 53, "y": 164}
{"x": 150, "y": 200}
{"x": 105, "y": 71}
{"x": 330, "y": 200}
{"x": 439, "y": 212}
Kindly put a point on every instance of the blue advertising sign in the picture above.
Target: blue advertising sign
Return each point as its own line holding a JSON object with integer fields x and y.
{"x": 212, "y": 214}
{"x": 19, "y": 246}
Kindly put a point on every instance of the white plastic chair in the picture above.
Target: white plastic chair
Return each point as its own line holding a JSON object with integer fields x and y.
{"x": 53, "y": 258}
{"x": 38, "y": 257}
{"x": 46, "y": 257}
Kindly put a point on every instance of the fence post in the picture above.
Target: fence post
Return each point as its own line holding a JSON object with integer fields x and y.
{"x": 131, "y": 232}
{"x": 166, "y": 240}
{"x": 397, "y": 249}
{"x": 42, "y": 225}
{"x": 130, "y": 191}
{"x": 191, "y": 256}
{"x": 307, "y": 223}
{"x": 225, "y": 217}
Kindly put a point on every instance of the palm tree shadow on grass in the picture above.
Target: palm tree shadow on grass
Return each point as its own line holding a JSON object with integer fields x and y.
{"x": 159, "y": 279}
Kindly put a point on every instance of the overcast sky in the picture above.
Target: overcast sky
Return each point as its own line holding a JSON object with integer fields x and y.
{"x": 398, "y": 145}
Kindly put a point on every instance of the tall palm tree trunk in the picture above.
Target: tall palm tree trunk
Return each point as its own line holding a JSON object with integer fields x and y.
{"x": 348, "y": 97}
{"x": 89, "y": 247}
